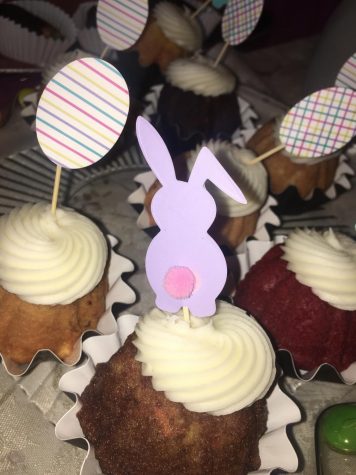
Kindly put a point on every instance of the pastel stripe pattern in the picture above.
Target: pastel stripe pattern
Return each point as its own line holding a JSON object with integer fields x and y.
{"x": 320, "y": 124}
{"x": 240, "y": 19}
{"x": 82, "y": 113}
{"x": 347, "y": 74}
{"x": 121, "y": 22}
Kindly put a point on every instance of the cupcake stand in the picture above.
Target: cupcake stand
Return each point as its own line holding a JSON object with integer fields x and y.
{"x": 31, "y": 406}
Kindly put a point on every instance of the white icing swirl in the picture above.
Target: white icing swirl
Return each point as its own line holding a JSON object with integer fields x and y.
{"x": 326, "y": 262}
{"x": 252, "y": 179}
{"x": 217, "y": 365}
{"x": 47, "y": 259}
{"x": 198, "y": 75}
{"x": 178, "y": 26}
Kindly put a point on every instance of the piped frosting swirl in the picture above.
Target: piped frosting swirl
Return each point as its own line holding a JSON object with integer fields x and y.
{"x": 177, "y": 26}
{"x": 326, "y": 262}
{"x": 252, "y": 179}
{"x": 216, "y": 365}
{"x": 198, "y": 75}
{"x": 47, "y": 259}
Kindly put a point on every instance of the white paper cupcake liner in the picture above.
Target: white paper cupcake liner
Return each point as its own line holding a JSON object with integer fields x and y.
{"x": 119, "y": 292}
{"x": 23, "y": 45}
{"x": 248, "y": 255}
{"x": 88, "y": 38}
{"x": 276, "y": 450}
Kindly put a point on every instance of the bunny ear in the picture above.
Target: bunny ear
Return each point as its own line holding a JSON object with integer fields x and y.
{"x": 155, "y": 151}
{"x": 207, "y": 167}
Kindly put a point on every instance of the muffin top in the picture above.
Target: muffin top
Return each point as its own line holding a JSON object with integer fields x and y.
{"x": 198, "y": 75}
{"x": 50, "y": 259}
{"x": 177, "y": 25}
{"x": 325, "y": 262}
{"x": 216, "y": 365}
{"x": 252, "y": 179}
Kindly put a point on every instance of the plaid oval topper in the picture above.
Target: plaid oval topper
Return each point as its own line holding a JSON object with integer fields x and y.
{"x": 347, "y": 74}
{"x": 240, "y": 19}
{"x": 320, "y": 124}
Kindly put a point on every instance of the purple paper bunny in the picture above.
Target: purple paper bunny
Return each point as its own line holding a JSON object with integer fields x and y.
{"x": 184, "y": 265}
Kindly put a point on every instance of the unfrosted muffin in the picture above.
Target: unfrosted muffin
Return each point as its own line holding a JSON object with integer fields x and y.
{"x": 304, "y": 294}
{"x": 170, "y": 33}
{"x": 287, "y": 173}
{"x": 197, "y": 103}
{"x": 53, "y": 280}
{"x": 234, "y": 221}
{"x": 180, "y": 398}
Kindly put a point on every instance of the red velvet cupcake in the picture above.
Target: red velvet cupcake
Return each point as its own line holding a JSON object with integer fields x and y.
{"x": 304, "y": 294}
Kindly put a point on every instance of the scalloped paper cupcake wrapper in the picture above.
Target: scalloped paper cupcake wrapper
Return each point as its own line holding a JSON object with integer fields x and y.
{"x": 276, "y": 451}
{"x": 18, "y": 43}
{"x": 88, "y": 38}
{"x": 252, "y": 252}
{"x": 119, "y": 292}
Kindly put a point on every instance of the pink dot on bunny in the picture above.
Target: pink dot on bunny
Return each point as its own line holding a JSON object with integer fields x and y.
{"x": 184, "y": 265}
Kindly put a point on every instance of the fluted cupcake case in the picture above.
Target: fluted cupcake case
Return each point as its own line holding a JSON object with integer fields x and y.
{"x": 26, "y": 46}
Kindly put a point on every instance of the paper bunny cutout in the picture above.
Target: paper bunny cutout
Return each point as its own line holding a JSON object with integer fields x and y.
{"x": 184, "y": 265}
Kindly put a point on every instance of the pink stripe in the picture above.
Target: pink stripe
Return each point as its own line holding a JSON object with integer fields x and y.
{"x": 65, "y": 146}
{"x": 115, "y": 36}
{"x": 124, "y": 13}
{"x": 103, "y": 76}
{"x": 82, "y": 110}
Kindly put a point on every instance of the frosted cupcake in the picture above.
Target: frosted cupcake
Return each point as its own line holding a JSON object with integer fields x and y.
{"x": 53, "y": 277}
{"x": 197, "y": 103}
{"x": 296, "y": 181}
{"x": 199, "y": 391}
{"x": 303, "y": 293}
{"x": 170, "y": 34}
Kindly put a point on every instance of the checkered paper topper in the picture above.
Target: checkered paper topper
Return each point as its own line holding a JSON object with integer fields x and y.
{"x": 240, "y": 19}
{"x": 347, "y": 74}
{"x": 121, "y": 22}
{"x": 320, "y": 124}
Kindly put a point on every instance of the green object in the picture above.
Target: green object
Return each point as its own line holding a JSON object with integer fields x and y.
{"x": 338, "y": 428}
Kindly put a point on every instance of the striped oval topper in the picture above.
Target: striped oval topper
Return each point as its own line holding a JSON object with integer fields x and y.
{"x": 320, "y": 124}
{"x": 82, "y": 112}
{"x": 121, "y": 22}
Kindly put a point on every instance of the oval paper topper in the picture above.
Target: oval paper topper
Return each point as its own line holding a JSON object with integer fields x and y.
{"x": 320, "y": 124}
{"x": 347, "y": 74}
{"x": 82, "y": 112}
{"x": 240, "y": 19}
{"x": 121, "y": 22}
{"x": 184, "y": 265}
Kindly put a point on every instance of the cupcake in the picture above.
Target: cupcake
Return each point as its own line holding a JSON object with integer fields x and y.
{"x": 197, "y": 103}
{"x": 197, "y": 390}
{"x": 303, "y": 293}
{"x": 294, "y": 180}
{"x": 53, "y": 280}
{"x": 170, "y": 33}
{"x": 234, "y": 222}
{"x": 85, "y": 21}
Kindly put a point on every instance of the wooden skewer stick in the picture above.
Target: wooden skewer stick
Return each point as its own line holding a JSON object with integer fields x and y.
{"x": 186, "y": 314}
{"x": 57, "y": 180}
{"x": 200, "y": 9}
{"x": 265, "y": 155}
{"x": 221, "y": 54}
{"x": 104, "y": 52}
